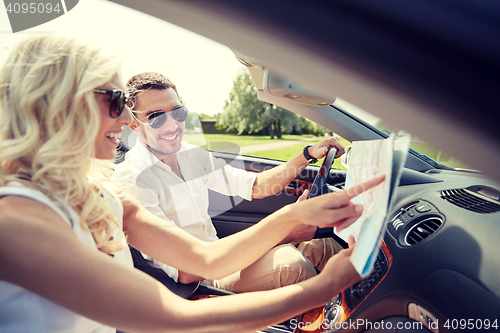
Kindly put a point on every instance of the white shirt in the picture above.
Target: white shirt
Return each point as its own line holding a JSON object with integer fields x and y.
{"x": 24, "y": 311}
{"x": 184, "y": 203}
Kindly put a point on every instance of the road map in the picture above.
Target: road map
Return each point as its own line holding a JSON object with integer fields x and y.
{"x": 368, "y": 159}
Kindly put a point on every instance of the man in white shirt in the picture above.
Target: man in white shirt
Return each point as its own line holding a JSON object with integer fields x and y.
{"x": 172, "y": 179}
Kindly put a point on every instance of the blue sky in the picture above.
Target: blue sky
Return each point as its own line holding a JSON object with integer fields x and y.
{"x": 203, "y": 70}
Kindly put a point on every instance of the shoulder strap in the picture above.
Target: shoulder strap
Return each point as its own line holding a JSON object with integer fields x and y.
{"x": 23, "y": 191}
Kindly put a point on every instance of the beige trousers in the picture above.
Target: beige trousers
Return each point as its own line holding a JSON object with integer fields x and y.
{"x": 281, "y": 266}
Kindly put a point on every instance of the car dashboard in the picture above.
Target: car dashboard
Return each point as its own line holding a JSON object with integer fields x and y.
{"x": 438, "y": 264}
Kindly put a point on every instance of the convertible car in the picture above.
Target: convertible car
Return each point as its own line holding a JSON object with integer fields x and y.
{"x": 430, "y": 68}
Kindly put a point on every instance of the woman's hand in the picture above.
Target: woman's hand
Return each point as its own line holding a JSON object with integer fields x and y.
{"x": 340, "y": 268}
{"x": 333, "y": 209}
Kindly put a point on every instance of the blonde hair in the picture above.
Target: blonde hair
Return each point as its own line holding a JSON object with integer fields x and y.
{"x": 49, "y": 120}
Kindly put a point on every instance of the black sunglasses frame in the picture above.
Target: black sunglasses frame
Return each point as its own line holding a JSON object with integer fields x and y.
{"x": 156, "y": 119}
{"x": 117, "y": 101}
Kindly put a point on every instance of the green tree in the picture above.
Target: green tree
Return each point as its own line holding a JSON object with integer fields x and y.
{"x": 385, "y": 127}
{"x": 245, "y": 113}
{"x": 310, "y": 127}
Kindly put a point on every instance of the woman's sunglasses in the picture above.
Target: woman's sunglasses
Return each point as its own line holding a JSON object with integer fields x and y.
{"x": 158, "y": 118}
{"x": 117, "y": 101}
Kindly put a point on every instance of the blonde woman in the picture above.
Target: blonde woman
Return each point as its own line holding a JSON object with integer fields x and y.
{"x": 64, "y": 262}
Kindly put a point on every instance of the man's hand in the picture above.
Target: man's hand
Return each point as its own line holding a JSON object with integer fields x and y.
{"x": 319, "y": 150}
{"x": 303, "y": 232}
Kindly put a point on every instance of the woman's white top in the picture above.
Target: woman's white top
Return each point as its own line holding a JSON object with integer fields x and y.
{"x": 22, "y": 311}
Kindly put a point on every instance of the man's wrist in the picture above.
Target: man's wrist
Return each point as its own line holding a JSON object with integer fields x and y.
{"x": 308, "y": 157}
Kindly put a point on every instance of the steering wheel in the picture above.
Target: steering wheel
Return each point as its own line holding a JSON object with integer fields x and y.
{"x": 319, "y": 187}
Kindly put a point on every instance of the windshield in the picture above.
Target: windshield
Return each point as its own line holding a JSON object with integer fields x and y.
{"x": 417, "y": 144}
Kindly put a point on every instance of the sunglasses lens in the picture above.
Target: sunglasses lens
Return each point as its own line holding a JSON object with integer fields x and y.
{"x": 180, "y": 114}
{"x": 117, "y": 101}
{"x": 117, "y": 104}
{"x": 157, "y": 119}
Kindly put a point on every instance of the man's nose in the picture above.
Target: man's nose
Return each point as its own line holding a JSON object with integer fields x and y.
{"x": 170, "y": 123}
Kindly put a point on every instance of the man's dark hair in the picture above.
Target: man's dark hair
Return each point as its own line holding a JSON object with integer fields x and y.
{"x": 145, "y": 81}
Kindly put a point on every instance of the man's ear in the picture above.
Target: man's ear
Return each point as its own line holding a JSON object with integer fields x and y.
{"x": 133, "y": 126}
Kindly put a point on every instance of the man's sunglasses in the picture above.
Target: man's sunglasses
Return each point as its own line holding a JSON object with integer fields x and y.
{"x": 158, "y": 118}
{"x": 117, "y": 101}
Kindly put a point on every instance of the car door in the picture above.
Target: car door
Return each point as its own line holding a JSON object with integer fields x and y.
{"x": 232, "y": 214}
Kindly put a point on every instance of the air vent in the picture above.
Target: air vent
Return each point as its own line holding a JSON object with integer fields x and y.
{"x": 422, "y": 230}
{"x": 470, "y": 200}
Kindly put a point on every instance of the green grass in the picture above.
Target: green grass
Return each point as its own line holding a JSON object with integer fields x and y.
{"x": 240, "y": 140}
{"x": 286, "y": 153}
{"x": 281, "y": 154}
